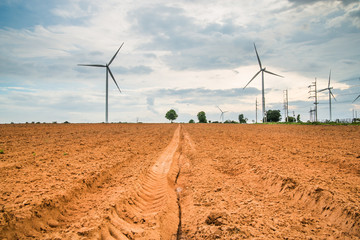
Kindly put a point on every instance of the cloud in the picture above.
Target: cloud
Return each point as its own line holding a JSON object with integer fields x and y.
{"x": 188, "y": 55}
{"x": 203, "y": 96}
{"x": 190, "y": 45}
{"x": 305, "y": 2}
{"x": 137, "y": 70}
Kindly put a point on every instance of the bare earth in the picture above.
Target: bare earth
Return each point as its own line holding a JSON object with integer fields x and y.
{"x": 172, "y": 181}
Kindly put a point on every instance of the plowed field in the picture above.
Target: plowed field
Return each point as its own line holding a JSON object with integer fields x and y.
{"x": 171, "y": 181}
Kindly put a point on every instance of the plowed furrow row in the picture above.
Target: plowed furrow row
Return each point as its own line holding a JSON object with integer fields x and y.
{"x": 152, "y": 211}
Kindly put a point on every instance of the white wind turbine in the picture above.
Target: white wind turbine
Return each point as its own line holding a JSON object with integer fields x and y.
{"x": 262, "y": 70}
{"x": 222, "y": 114}
{"x": 330, "y": 93}
{"x": 107, "y": 80}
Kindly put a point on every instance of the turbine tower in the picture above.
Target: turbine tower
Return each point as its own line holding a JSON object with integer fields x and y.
{"x": 107, "y": 81}
{"x": 222, "y": 114}
{"x": 262, "y": 70}
{"x": 330, "y": 93}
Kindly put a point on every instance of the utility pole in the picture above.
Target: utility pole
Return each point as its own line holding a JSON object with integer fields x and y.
{"x": 256, "y": 105}
{"x": 286, "y": 105}
{"x": 313, "y": 94}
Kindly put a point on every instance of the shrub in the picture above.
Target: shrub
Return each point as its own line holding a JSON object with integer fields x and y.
{"x": 242, "y": 119}
{"x": 202, "y": 117}
{"x": 273, "y": 116}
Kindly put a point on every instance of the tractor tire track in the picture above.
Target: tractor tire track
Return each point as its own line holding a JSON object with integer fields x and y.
{"x": 153, "y": 210}
{"x": 80, "y": 208}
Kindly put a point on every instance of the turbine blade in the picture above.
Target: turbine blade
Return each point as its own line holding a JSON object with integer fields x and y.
{"x": 332, "y": 95}
{"x": 329, "y": 79}
{"x": 113, "y": 78}
{"x": 356, "y": 98}
{"x": 219, "y": 109}
{"x": 115, "y": 55}
{"x": 273, "y": 73}
{"x": 225, "y": 111}
{"x": 252, "y": 78}
{"x": 257, "y": 55}
{"x": 323, "y": 89}
{"x": 92, "y": 65}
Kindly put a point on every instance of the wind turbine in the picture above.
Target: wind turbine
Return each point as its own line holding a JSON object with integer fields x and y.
{"x": 356, "y": 98}
{"x": 262, "y": 70}
{"x": 222, "y": 113}
{"x": 107, "y": 80}
{"x": 330, "y": 93}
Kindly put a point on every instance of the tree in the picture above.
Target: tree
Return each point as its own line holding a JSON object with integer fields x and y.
{"x": 242, "y": 119}
{"x": 298, "y": 118}
{"x": 290, "y": 119}
{"x": 191, "y": 121}
{"x": 202, "y": 117}
{"x": 171, "y": 115}
{"x": 273, "y": 116}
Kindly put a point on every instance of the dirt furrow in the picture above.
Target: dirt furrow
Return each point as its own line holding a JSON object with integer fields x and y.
{"x": 152, "y": 211}
{"x": 242, "y": 190}
{"x": 108, "y": 165}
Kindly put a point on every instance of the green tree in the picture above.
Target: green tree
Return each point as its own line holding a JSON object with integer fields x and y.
{"x": 242, "y": 119}
{"x": 191, "y": 121}
{"x": 171, "y": 115}
{"x": 202, "y": 117}
{"x": 291, "y": 119}
{"x": 273, "y": 116}
{"x": 298, "y": 118}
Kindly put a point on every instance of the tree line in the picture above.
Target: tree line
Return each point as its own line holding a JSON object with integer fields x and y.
{"x": 271, "y": 116}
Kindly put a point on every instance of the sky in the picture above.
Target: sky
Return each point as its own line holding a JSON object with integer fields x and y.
{"x": 189, "y": 56}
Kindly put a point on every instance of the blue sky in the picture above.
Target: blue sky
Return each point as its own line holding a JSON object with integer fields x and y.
{"x": 189, "y": 55}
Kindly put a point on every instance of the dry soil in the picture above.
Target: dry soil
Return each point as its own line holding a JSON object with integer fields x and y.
{"x": 179, "y": 181}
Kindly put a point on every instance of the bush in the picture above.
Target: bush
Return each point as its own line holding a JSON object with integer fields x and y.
{"x": 191, "y": 121}
{"x": 290, "y": 119}
{"x": 273, "y": 116}
{"x": 202, "y": 117}
{"x": 242, "y": 119}
{"x": 230, "y": 121}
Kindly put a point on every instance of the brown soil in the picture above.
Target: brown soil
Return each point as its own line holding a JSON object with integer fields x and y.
{"x": 169, "y": 181}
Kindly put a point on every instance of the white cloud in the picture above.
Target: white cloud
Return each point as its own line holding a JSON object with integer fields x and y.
{"x": 183, "y": 45}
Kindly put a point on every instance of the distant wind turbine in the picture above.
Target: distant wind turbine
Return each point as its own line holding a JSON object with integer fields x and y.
{"x": 262, "y": 70}
{"x": 356, "y": 98}
{"x": 330, "y": 94}
{"x": 107, "y": 81}
{"x": 222, "y": 114}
